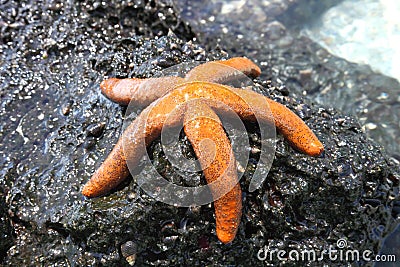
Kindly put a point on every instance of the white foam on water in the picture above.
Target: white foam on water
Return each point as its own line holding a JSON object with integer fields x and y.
{"x": 362, "y": 31}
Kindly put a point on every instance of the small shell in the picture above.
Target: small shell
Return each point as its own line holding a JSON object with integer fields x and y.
{"x": 128, "y": 251}
{"x": 66, "y": 107}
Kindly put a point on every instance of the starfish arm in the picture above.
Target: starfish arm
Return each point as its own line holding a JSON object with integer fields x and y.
{"x": 213, "y": 149}
{"x": 291, "y": 126}
{"x": 141, "y": 92}
{"x": 242, "y": 64}
{"x": 109, "y": 175}
{"x": 224, "y": 70}
{"x": 295, "y": 131}
{"x": 144, "y": 91}
{"x": 130, "y": 147}
{"x": 242, "y": 102}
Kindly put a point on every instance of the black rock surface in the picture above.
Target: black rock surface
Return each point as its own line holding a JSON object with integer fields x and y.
{"x": 56, "y": 129}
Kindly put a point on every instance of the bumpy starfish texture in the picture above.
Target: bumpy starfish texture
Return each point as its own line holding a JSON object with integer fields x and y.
{"x": 206, "y": 134}
{"x": 163, "y": 95}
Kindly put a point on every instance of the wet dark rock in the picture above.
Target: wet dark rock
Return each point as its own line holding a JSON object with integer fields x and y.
{"x": 6, "y": 230}
{"x": 275, "y": 30}
{"x": 351, "y": 192}
{"x": 89, "y": 143}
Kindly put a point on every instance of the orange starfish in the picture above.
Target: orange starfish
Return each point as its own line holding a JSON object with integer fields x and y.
{"x": 163, "y": 95}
